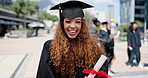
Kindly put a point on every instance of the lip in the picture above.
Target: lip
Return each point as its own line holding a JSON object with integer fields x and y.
{"x": 72, "y": 32}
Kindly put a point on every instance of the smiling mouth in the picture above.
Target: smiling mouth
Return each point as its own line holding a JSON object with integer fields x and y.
{"x": 72, "y": 32}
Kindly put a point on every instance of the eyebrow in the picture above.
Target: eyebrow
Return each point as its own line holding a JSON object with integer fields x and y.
{"x": 78, "y": 19}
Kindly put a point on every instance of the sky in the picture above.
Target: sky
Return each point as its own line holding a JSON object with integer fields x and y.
{"x": 99, "y": 5}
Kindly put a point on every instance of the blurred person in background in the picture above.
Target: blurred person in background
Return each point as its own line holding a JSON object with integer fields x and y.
{"x": 94, "y": 30}
{"x": 72, "y": 48}
{"x": 134, "y": 44}
{"x": 95, "y": 27}
{"x": 105, "y": 33}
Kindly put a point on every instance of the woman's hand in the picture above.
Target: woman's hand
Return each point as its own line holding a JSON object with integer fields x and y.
{"x": 85, "y": 77}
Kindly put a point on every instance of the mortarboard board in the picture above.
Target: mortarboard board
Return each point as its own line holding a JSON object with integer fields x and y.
{"x": 71, "y": 9}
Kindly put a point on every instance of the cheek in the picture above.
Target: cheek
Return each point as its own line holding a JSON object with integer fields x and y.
{"x": 79, "y": 27}
{"x": 65, "y": 26}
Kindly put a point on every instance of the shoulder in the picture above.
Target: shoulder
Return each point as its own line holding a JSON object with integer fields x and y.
{"x": 91, "y": 27}
{"x": 138, "y": 30}
{"x": 47, "y": 43}
{"x": 102, "y": 31}
{"x": 129, "y": 31}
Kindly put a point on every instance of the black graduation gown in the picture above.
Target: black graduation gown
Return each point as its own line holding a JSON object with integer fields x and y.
{"x": 133, "y": 40}
{"x": 44, "y": 70}
{"x": 109, "y": 44}
{"x": 47, "y": 71}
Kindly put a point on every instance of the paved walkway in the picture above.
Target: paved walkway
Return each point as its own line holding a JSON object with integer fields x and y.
{"x": 124, "y": 71}
{"x": 19, "y": 58}
{"x": 9, "y": 63}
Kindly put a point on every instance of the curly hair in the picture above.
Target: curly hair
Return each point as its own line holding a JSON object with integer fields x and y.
{"x": 66, "y": 54}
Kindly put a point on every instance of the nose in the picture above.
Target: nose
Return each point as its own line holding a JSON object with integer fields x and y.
{"x": 73, "y": 25}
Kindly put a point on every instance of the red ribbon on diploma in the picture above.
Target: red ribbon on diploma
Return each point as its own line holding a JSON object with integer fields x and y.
{"x": 99, "y": 73}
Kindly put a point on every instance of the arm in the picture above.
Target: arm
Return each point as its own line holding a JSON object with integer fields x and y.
{"x": 44, "y": 70}
{"x": 129, "y": 39}
{"x": 139, "y": 39}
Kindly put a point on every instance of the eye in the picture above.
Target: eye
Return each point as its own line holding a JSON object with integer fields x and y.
{"x": 78, "y": 21}
{"x": 67, "y": 21}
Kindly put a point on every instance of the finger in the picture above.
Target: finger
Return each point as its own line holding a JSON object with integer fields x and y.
{"x": 85, "y": 77}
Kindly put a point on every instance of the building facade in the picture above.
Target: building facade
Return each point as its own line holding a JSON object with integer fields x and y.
{"x": 110, "y": 12}
{"x": 132, "y": 10}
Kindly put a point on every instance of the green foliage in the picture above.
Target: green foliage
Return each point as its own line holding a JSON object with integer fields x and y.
{"x": 42, "y": 15}
{"x": 127, "y": 25}
{"x": 24, "y": 7}
{"x": 88, "y": 18}
{"x": 124, "y": 27}
{"x": 22, "y": 29}
{"x": 4, "y": 7}
{"x": 139, "y": 23}
{"x": 46, "y": 16}
{"x": 53, "y": 18}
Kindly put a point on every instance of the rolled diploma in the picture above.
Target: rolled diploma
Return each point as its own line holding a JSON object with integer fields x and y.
{"x": 118, "y": 33}
{"x": 98, "y": 65}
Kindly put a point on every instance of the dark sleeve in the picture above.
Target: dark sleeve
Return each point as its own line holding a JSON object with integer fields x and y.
{"x": 139, "y": 39}
{"x": 128, "y": 38}
{"x": 102, "y": 34}
{"x": 79, "y": 72}
{"x": 105, "y": 35}
{"x": 104, "y": 68}
{"x": 44, "y": 70}
{"x": 110, "y": 42}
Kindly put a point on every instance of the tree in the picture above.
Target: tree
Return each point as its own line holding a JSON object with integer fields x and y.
{"x": 53, "y": 18}
{"x": 127, "y": 25}
{"x": 5, "y": 4}
{"x": 88, "y": 18}
{"x": 46, "y": 16}
{"x": 23, "y": 7}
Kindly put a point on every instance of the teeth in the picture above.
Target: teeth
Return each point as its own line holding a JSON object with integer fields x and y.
{"x": 72, "y": 31}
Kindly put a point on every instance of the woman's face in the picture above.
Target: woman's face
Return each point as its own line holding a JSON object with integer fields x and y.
{"x": 72, "y": 27}
{"x": 134, "y": 26}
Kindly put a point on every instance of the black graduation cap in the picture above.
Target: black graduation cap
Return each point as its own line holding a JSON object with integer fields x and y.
{"x": 95, "y": 20}
{"x": 104, "y": 22}
{"x": 71, "y": 9}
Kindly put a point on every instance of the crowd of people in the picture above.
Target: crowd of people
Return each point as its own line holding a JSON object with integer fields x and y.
{"x": 76, "y": 47}
{"x": 133, "y": 41}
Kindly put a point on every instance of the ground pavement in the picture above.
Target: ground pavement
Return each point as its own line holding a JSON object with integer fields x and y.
{"x": 19, "y": 58}
{"x": 124, "y": 71}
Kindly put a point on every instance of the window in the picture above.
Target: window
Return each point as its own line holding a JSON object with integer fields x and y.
{"x": 140, "y": 2}
{"x": 139, "y": 11}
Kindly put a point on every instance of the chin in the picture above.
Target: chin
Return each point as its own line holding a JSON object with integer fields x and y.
{"x": 72, "y": 37}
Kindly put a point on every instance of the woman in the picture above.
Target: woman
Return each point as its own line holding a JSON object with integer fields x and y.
{"x": 72, "y": 48}
{"x": 105, "y": 34}
{"x": 134, "y": 44}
